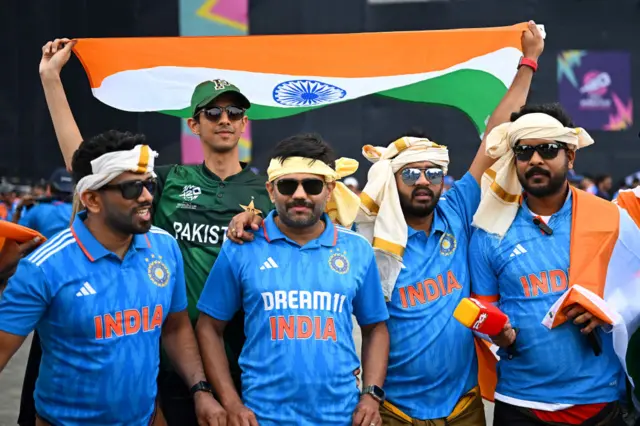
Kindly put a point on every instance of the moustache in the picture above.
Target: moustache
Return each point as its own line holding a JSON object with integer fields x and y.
{"x": 140, "y": 207}
{"x": 536, "y": 171}
{"x": 422, "y": 191}
{"x": 300, "y": 203}
{"x": 225, "y": 129}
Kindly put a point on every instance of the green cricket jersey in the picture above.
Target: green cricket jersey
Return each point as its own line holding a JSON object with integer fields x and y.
{"x": 195, "y": 206}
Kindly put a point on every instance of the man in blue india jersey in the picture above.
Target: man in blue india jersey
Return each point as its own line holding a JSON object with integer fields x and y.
{"x": 101, "y": 294}
{"x": 299, "y": 283}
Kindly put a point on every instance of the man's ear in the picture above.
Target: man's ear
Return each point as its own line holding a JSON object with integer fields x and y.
{"x": 270, "y": 190}
{"x": 571, "y": 157}
{"x": 92, "y": 201}
{"x": 194, "y": 125}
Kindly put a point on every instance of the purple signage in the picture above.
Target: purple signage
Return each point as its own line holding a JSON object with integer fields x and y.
{"x": 595, "y": 88}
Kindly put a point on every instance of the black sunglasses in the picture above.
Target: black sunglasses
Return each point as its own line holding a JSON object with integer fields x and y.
{"x": 411, "y": 175}
{"x": 214, "y": 113}
{"x": 132, "y": 189}
{"x": 548, "y": 151}
{"x": 289, "y": 186}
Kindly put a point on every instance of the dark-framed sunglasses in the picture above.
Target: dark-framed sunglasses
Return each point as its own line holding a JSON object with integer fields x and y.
{"x": 411, "y": 175}
{"x": 132, "y": 189}
{"x": 548, "y": 151}
{"x": 214, "y": 113}
{"x": 288, "y": 187}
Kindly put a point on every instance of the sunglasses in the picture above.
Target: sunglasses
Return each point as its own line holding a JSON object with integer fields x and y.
{"x": 411, "y": 175}
{"x": 548, "y": 151}
{"x": 214, "y": 113}
{"x": 132, "y": 189}
{"x": 289, "y": 186}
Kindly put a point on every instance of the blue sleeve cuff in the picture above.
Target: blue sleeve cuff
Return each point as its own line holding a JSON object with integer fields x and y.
{"x": 214, "y": 313}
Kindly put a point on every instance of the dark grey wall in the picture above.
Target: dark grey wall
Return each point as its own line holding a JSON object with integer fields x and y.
{"x": 570, "y": 24}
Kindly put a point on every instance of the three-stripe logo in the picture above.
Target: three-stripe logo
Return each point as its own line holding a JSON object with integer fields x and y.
{"x": 85, "y": 290}
{"x": 269, "y": 264}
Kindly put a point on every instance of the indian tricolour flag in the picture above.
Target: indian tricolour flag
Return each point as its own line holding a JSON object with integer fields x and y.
{"x": 469, "y": 69}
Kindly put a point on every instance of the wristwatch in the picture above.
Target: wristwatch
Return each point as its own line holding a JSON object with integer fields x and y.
{"x": 375, "y": 391}
{"x": 200, "y": 387}
{"x": 528, "y": 62}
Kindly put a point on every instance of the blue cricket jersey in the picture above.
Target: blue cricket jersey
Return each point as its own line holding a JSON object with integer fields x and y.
{"x": 99, "y": 319}
{"x": 299, "y": 357}
{"x": 48, "y": 218}
{"x": 528, "y": 271}
{"x": 432, "y": 360}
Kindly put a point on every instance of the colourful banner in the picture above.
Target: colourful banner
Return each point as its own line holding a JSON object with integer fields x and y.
{"x": 595, "y": 88}
{"x": 212, "y": 18}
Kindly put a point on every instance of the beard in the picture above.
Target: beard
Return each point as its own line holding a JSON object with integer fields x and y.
{"x": 127, "y": 223}
{"x": 555, "y": 183}
{"x": 298, "y": 221}
{"x": 413, "y": 208}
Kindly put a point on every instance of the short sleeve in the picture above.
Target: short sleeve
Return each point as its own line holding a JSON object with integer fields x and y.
{"x": 25, "y": 300}
{"x": 369, "y": 306}
{"x": 179, "y": 296}
{"x": 221, "y": 297}
{"x": 484, "y": 282}
{"x": 464, "y": 199}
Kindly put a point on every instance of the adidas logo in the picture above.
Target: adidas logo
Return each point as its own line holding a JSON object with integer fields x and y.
{"x": 85, "y": 290}
{"x": 518, "y": 251}
{"x": 269, "y": 264}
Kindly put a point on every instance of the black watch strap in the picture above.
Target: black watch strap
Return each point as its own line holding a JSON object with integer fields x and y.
{"x": 200, "y": 387}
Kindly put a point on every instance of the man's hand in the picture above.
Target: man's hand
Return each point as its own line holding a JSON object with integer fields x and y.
{"x": 532, "y": 42}
{"x": 55, "y": 54}
{"x": 239, "y": 415}
{"x": 506, "y": 337}
{"x": 579, "y": 315}
{"x": 26, "y": 201}
{"x": 367, "y": 412}
{"x": 236, "y": 230}
{"x": 208, "y": 411}
{"x": 11, "y": 254}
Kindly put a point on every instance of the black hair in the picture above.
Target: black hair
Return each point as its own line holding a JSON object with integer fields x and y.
{"x": 90, "y": 149}
{"x": 414, "y": 132}
{"x": 308, "y": 145}
{"x": 555, "y": 110}
{"x": 600, "y": 178}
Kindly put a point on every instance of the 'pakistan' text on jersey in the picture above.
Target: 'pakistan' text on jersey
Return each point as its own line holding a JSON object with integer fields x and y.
{"x": 526, "y": 272}
{"x": 299, "y": 357}
{"x": 432, "y": 360}
{"x": 195, "y": 206}
{"x": 99, "y": 319}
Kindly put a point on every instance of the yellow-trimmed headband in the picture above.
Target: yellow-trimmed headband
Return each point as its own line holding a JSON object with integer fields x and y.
{"x": 344, "y": 204}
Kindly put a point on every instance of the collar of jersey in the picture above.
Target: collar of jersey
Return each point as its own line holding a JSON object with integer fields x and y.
{"x": 566, "y": 207}
{"x": 243, "y": 176}
{"x": 438, "y": 225}
{"x": 328, "y": 238}
{"x": 92, "y": 247}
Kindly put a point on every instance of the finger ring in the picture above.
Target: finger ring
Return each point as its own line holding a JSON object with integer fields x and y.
{"x": 372, "y": 424}
{"x": 233, "y": 231}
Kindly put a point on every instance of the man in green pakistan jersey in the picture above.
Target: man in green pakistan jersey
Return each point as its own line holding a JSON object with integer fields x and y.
{"x": 194, "y": 203}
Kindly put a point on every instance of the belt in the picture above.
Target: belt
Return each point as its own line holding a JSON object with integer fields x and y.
{"x": 460, "y": 406}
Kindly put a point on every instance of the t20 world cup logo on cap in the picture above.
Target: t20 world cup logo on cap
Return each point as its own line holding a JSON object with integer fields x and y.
{"x": 595, "y": 85}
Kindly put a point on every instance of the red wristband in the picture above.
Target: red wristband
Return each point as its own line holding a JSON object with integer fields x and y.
{"x": 528, "y": 62}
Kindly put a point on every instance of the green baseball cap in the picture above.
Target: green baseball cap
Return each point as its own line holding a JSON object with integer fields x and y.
{"x": 207, "y": 91}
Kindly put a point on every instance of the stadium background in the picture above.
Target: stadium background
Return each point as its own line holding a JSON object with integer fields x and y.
{"x": 27, "y": 142}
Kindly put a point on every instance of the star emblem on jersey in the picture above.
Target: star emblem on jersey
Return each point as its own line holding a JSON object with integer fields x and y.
{"x": 251, "y": 208}
{"x": 447, "y": 244}
{"x": 158, "y": 272}
{"x": 338, "y": 262}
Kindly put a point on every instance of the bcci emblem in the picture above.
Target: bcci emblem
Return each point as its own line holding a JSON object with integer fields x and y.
{"x": 447, "y": 244}
{"x": 338, "y": 262}
{"x": 158, "y": 272}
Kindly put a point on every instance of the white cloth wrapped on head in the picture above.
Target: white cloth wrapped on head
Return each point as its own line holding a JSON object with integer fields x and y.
{"x": 501, "y": 189}
{"x": 108, "y": 166}
{"x": 380, "y": 218}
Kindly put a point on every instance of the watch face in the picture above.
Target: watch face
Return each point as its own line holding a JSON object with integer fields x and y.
{"x": 378, "y": 392}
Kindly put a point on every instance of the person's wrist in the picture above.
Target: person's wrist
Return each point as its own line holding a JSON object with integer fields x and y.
{"x": 49, "y": 74}
{"x": 369, "y": 397}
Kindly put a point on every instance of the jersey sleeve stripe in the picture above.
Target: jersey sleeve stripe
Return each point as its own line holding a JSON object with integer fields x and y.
{"x": 156, "y": 230}
{"x": 487, "y": 299}
{"x": 49, "y": 245}
{"x": 57, "y": 249}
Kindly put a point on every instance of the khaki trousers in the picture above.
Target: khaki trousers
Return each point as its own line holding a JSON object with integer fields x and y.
{"x": 469, "y": 411}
